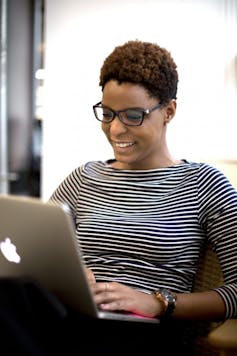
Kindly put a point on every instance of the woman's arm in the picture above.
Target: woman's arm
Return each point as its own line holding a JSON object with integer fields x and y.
{"x": 218, "y": 216}
{"x": 190, "y": 306}
{"x": 200, "y": 306}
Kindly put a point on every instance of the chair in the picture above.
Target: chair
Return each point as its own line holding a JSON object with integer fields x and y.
{"x": 224, "y": 338}
{"x": 208, "y": 276}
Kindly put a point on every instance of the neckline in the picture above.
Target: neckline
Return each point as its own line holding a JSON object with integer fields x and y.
{"x": 108, "y": 164}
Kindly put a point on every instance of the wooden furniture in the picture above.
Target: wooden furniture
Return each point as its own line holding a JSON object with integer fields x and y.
{"x": 208, "y": 276}
{"x": 224, "y": 338}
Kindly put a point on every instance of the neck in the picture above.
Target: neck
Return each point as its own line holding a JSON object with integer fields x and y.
{"x": 166, "y": 162}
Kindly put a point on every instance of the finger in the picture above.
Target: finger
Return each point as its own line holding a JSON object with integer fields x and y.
{"x": 90, "y": 276}
{"x": 112, "y": 305}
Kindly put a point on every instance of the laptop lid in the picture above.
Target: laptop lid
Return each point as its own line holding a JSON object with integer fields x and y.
{"x": 38, "y": 240}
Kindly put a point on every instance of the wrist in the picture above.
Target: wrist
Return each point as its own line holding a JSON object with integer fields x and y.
{"x": 167, "y": 301}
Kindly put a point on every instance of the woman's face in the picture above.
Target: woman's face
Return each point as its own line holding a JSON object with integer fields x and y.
{"x": 136, "y": 147}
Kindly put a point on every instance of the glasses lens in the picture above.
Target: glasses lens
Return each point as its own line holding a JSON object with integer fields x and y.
{"x": 103, "y": 114}
{"x": 132, "y": 117}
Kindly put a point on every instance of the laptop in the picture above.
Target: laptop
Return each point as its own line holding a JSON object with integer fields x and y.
{"x": 37, "y": 240}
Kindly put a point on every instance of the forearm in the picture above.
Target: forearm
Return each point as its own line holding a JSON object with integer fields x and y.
{"x": 199, "y": 306}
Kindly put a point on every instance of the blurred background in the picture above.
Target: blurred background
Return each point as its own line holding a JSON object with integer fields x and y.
{"x": 22, "y": 56}
{"x": 51, "y": 54}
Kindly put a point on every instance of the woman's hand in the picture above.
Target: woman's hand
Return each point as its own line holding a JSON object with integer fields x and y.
{"x": 113, "y": 296}
{"x": 90, "y": 276}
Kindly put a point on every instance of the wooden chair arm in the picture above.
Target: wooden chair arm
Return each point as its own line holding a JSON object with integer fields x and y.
{"x": 224, "y": 336}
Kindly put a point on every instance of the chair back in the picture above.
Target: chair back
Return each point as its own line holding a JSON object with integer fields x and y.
{"x": 208, "y": 276}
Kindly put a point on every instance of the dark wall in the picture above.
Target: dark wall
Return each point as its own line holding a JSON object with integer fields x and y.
{"x": 20, "y": 93}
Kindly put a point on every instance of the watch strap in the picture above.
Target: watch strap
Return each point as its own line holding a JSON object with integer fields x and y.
{"x": 168, "y": 300}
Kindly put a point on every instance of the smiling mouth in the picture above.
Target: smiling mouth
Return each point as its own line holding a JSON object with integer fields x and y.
{"x": 123, "y": 144}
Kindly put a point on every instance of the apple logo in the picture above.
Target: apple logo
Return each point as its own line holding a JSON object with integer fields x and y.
{"x": 8, "y": 249}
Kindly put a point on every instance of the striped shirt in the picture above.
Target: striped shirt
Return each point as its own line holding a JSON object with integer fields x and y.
{"x": 145, "y": 228}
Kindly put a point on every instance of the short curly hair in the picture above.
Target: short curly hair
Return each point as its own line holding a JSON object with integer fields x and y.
{"x": 145, "y": 64}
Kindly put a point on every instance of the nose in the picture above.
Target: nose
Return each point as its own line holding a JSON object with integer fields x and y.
{"x": 117, "y": 127}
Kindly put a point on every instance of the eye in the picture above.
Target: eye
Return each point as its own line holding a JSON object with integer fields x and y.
{"x": 107, "y": 114}
{"x": 134, "y": 115}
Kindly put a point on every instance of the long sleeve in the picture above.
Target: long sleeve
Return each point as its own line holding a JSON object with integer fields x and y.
{"x": 218, "y": 214}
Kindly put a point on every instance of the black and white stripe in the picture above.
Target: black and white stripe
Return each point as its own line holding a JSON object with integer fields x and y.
{"x": 146, "y": 228}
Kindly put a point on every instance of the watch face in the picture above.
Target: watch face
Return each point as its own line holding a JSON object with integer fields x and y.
{"x": 168, "y": 295}
{"x": 168, "y": 298}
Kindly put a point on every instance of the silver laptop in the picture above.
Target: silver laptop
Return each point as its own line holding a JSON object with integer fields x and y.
{"x": 37, "y": 240}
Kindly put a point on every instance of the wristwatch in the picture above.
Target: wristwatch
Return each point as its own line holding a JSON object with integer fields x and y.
{"x": 168, "y": 300}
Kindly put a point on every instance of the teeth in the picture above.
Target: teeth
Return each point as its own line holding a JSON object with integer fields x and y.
{"x": 123, "y": 144}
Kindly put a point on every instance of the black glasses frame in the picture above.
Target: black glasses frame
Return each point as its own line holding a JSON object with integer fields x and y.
{"x": 117, "y": 113}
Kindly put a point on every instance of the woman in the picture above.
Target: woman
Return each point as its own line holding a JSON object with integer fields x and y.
{"x": 143, "y": 216}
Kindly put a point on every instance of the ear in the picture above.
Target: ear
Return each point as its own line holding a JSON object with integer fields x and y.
{"x": 170, "y": 110}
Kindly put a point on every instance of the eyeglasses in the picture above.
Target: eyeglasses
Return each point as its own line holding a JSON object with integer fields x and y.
{"x": 129, "y": 117}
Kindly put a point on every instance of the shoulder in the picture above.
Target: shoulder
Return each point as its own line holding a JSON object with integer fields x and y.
{"x": 214, "y": 185}
{"x": 209, "y": 179}
{"x": 212, "y": 174}
{"x": 207, "y": 171}
{"x": 86, "y": 168}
